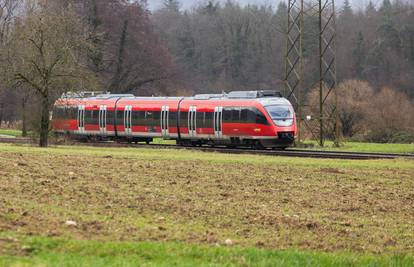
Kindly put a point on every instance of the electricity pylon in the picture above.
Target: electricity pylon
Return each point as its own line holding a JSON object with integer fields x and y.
{"x": 326, "y": 124}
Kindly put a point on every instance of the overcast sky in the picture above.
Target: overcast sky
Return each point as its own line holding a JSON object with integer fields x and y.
{"x": 154, "y": 4}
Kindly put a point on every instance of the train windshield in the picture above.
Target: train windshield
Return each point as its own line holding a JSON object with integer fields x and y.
{"x": 281, "y": 115}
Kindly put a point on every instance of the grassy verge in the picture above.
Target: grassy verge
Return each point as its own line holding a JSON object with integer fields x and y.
{"x": 13, "y": 133}
{"x": 346, "y": 146}
{"x": 56, "y": 252}
{"x": 130, "y": 203}
{"x": 365, "y": 147}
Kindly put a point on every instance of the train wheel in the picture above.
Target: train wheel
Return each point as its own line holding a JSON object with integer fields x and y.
{"x": 258, "y": 145}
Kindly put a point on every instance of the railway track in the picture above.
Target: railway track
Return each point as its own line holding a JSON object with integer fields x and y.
{"x": 17, "y": 140}
{"x": 285, "y": 153}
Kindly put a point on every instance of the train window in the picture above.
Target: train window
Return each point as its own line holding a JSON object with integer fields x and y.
{"x": 138, "y": 118}
{"x": 149, "y": 118}
{"x": 152, "y": 118}
{"x": 260, "y": 117}
{"x": 172, "y": 119}
{"x": 91, "y": 117}
{"x": 60, "y": 113}
{"x": 231, "y": 114}
{"x": 251, "y": 115}
{"x": 200, "y": 120}
{"x": 235, "y": 115}
{"x": 208, "y": 120}
{"x": 227, "y": 114}
{"x": 244, "y": 114}
{"x": 69, "y": 113}
{"x": 183, "y": 119}
{"x": 157, "y": 118}
{"x": 119, "y": 114}
{"x": 75, "y": 113}
{"x": 110, "y": 116}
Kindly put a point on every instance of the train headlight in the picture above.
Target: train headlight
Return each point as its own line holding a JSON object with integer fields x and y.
{"x": 284, "y": 123}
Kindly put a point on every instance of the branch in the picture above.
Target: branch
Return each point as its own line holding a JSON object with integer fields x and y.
{"x": 143, "y": 82}
{"x": 23, "y": 78}
{"x": 39, "y": 70}
{"x": 52, "y": 66}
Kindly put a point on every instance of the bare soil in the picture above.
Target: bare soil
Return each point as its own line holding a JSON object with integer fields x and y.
{"x": 116, "y": 197}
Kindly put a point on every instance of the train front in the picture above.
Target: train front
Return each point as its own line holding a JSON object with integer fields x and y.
{"x": 283, "y": 119}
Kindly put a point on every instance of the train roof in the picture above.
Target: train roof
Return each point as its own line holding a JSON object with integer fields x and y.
{"x": 262, "y": 96}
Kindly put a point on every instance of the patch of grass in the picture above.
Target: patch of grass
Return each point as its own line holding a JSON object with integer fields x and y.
{"x": 40, "y": 251}
{"x": 14, "y": 133}
{"x": 160, "y": 141}
{"x": 172, "y": 154}
{"x": 365, "y": 147}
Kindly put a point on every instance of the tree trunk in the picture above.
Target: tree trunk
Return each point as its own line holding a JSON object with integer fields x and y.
{"x": 1, "y": 113}
{"x": 24, "y": 117}
{"x": 44, "y": 123}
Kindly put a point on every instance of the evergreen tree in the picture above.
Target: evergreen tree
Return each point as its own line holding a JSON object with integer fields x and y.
{"x": 359, "y": 54}
{"x": 370, "y": 9}
{"x": 173, "y": 5}
{"x": 347, "y": 9}
{"x": 386, "y": 9}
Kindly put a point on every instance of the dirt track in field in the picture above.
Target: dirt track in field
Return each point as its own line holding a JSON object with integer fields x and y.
{"x": 198, "y": 201}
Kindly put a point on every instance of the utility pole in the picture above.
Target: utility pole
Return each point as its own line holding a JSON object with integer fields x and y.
{"x": 294, "y": 59}
{"x": 325, "y": 124}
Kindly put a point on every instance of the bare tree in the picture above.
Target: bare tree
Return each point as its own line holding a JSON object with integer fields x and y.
{"x": 47, "y": 45}
{"x": 8, "y": 10}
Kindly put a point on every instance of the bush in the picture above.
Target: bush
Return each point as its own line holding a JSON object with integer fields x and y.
{"x": 403, "y": 138}
{"x": 365, "y": 115}
{"x": 390, "y": 114}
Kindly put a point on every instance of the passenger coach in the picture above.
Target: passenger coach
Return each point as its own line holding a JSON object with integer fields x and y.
{"x": 243, "y": 118}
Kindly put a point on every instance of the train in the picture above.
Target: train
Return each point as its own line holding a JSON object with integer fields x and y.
{"x": 256, "y": 119}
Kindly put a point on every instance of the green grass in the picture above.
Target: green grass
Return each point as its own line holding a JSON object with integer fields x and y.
{"x": 345, "y": 146}
{"x": 365, "y": 147}
{"x": 13, "y": 133}
{"x": 41, "y": 251}
{"x": 160, "y": 141}
{"x": 171, "y": 154}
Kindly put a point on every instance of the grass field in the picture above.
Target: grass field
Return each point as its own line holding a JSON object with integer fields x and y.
{"x": 10, "y": 132}
{"x": 57, "y": 252}
{"x": 168, "y": 207}
{"x": 366, "y": 147}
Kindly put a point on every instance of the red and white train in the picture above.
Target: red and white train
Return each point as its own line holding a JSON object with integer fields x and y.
{"x": 243, "y": 118}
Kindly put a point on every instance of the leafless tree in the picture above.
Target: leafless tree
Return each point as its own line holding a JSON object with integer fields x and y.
{"x": 47, "y": 47}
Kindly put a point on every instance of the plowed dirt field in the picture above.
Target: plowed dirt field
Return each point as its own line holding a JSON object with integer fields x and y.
{"x": 206, "y": 198}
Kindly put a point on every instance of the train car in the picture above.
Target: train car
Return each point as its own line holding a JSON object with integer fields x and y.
{"x": 145, "y": 118}
{"x": 242, "y": 118}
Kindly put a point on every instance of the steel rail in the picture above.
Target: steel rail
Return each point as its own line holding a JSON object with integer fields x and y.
{"x": 246, "y": 151}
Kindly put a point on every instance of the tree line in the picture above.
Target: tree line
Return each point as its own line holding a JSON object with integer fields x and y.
{"x": 223, "y": 47}
{"x": 48, "y": 47}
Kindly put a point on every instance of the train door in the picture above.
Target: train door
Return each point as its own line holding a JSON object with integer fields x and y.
{"x": 165, "y": 112}
{"x": 128, "y": 120}
{"x": 218, "y": 122}
{"x": 81, "y": 119}
{"x": 102, "y": 120}
{"x": 192, "y": 121}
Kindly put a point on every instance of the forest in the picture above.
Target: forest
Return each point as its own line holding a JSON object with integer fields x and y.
{"x": 48, "y": 47}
